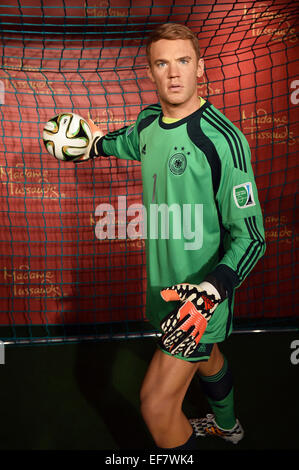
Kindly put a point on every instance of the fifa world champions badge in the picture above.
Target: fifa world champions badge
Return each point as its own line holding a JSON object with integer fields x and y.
{"x": 243, "y": 195}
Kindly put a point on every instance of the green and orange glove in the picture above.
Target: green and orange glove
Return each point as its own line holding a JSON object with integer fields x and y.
{"x": 184, "y": 327}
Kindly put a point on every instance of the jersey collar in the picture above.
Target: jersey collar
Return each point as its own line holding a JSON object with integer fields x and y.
{"x": 178, "y": 123}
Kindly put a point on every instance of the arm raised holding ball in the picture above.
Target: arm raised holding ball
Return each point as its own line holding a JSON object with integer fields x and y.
{"x": 71, "y": 138}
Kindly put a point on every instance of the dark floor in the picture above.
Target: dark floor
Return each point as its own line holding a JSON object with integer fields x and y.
{"x": 86, "y": 396}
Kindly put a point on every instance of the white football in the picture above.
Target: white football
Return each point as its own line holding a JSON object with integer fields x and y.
{"x": 67, "y": 136}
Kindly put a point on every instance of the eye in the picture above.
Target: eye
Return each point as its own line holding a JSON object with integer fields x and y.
{"x": 161, "y": 64}
{"x": 184, "y": 61}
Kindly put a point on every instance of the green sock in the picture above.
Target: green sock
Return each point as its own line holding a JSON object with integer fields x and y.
{"x": 224, "y": 411}
{"x": 220, "y": 394}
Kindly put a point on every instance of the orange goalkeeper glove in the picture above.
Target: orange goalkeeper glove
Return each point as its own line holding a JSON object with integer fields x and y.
{"x": 185, "y": 326}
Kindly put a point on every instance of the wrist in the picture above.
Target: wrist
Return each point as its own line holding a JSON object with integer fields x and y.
{"x": 90, "y": 153}
{"x": 210, "y": 289}
{"x": 217, "y": 285}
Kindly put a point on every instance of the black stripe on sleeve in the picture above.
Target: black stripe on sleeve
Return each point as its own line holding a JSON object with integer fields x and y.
{"x": 254, "y": 250}
{"x": 113, "y": 135}
{"x": 231, "y": 136}
{"x": 202, "y": 141}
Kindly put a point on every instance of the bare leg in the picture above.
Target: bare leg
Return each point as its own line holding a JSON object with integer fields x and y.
{"x": 162, "y": 394}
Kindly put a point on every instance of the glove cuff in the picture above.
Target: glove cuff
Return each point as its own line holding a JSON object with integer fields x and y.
{"x": 225, "y": 280}
{"x": 89, "y": 154}
{"x": 212, "y": 287}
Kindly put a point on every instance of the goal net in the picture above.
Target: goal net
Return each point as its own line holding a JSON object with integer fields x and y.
{"x": 57, "y": 279}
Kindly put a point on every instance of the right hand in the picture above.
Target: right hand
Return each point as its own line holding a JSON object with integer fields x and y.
{"x": 94, "y": 128}
{"x": 96, "y": 132}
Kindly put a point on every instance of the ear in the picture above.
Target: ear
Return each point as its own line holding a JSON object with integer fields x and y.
{"x": 149, "y": 74}
{"x": 200, "y": 68}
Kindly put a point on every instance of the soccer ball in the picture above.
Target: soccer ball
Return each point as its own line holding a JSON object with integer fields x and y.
{"x": 67, "y": 136}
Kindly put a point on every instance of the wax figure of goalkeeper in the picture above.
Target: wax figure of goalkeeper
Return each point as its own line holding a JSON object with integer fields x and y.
{"x": 190, "y": 155}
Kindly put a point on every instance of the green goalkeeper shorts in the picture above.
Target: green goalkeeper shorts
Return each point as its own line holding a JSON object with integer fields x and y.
{"x": 201, "y": 353}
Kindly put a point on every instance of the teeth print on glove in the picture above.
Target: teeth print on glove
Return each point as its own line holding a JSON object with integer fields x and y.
{"x": 204, "y": 296}
{"x": 183, "y": 329}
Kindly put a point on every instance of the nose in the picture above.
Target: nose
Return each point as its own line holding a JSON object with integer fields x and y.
{"x": 173, "y": 70}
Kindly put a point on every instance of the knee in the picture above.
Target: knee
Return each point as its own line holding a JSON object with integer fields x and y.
{"x": 150, "y": 403}
{"x": 155, "y": 406}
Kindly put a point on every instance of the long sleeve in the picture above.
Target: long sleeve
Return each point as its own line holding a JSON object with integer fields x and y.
{"x": 122, "y": 143}
{"x": 241, "y": 218}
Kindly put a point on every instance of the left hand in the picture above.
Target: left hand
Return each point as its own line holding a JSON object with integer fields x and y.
{"x": 184, "y": 327}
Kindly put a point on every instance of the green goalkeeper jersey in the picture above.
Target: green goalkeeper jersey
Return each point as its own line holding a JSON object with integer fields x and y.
{"x": 203, "y": 216}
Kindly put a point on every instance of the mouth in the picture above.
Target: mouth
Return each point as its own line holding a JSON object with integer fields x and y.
{"x": 175, "y": 88}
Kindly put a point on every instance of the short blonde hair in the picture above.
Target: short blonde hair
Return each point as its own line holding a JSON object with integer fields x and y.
{"x": 172, "y": 31}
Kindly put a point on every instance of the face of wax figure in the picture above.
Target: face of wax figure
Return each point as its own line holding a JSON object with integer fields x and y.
{"x": 174, "y": 69}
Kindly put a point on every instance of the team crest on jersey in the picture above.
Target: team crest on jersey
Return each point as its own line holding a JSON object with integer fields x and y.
{"x": 177, "y": 163}
{"x": 243, "y": 195}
